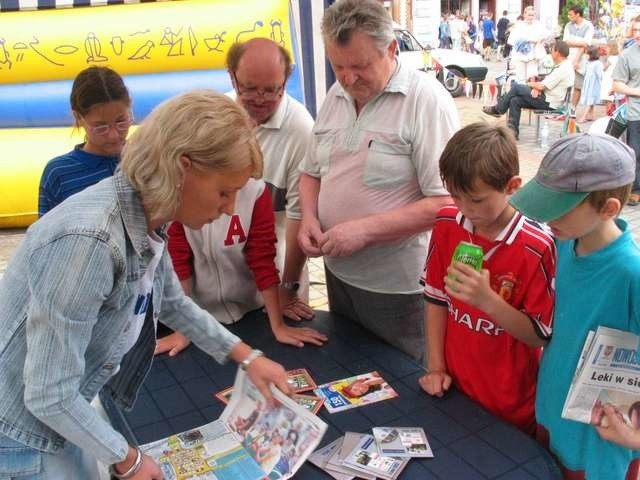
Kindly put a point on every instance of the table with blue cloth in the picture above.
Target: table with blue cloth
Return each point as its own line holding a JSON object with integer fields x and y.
{"x": 468, "y": 442}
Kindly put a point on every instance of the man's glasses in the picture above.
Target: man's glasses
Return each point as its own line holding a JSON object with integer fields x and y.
{"x": 122, "y": 126}
{"x": 252, "y": 93}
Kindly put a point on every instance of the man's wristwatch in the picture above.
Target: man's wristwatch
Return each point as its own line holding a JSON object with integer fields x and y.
{"x": 293, "y": 286}
{"x": 244, "y": 364}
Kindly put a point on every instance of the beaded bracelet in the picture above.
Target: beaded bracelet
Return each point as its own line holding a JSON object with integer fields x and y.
{"x": 132, "y": 470}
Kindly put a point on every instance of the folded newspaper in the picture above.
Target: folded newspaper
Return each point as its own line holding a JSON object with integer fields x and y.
{"x": 249, "y": 441}
{"x": 608, "y": 372}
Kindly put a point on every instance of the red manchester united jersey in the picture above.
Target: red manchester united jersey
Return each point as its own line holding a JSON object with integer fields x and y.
{"x": 485, "y": 361}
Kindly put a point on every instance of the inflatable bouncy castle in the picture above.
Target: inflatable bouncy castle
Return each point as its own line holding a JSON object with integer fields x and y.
{"x": 160, "y": 48}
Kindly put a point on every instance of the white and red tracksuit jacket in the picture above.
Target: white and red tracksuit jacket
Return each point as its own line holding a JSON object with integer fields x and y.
{"x": 232, "y": 259}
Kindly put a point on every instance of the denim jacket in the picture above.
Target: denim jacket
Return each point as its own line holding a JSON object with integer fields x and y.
{"x": 66, "y": 301}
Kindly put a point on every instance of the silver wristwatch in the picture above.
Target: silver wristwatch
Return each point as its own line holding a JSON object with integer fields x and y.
{"x": 250, "y": 358}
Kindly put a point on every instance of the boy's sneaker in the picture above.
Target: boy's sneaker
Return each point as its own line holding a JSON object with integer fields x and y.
{"x": 491, "y": 110}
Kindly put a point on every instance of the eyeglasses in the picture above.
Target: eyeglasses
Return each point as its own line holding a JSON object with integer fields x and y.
{"x": 251, "y": 93}
{"x": 121, "y": 126}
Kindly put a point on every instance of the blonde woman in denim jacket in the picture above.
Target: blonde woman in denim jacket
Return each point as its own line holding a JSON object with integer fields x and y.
{"x": 90, "y": 279}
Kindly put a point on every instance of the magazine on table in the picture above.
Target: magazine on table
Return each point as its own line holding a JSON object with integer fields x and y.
{"x": 365, "y": 458}
{"x": 402, "y": 442}
{"x": 354, "y": 392}
{"x": 336, "y": 463}
{"x": 300, "y": 380}
{"x": 225, "y": 395}
{"x": 250, "y": 440}
{"x": 310, "y": 402}
{"x": 331, "y": 458}
{"x": 320, "y": 458}
{"x": 608, "y": 372}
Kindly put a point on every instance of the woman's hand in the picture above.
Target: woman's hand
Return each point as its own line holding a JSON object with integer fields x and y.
{"x": 263, "y": 372}
{"x": 148, "y": 470}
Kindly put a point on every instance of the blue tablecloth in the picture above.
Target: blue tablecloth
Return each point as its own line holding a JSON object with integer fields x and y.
{"x": 468, "y": 442}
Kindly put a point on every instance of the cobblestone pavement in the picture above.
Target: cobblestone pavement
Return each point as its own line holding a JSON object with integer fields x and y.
{"x": 469, "y": 109}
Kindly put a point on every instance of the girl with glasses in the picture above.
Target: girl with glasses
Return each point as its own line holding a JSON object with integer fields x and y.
{"x": 101, "y": 106}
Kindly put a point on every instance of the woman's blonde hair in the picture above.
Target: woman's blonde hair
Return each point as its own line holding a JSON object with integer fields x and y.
{"x": 207, "y": 127}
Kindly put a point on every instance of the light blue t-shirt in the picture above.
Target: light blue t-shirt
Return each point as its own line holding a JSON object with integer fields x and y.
{"x": 601, "y": 288}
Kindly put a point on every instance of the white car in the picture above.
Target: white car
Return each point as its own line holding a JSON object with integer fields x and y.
{"x": 452, "y": 67}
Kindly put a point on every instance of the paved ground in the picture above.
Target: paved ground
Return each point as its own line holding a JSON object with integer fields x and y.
{"x": 470, "y": 111}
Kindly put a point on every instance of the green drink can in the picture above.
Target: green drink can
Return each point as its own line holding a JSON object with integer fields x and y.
{"x": 470, "y": 254}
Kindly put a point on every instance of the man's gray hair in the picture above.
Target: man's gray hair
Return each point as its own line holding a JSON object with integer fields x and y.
{"x": 345, "y": 18}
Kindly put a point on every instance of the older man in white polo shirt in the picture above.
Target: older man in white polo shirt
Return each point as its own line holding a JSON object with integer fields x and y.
{"x": 371, "y": 187}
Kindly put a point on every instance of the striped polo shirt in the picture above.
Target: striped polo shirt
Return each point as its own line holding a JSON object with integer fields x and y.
{"x": 71, "y": 173}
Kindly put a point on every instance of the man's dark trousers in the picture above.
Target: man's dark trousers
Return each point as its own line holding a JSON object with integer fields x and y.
{"x": 517, "y": 98}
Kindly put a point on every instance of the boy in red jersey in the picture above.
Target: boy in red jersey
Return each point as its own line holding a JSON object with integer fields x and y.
{"x": 484, "y": 329}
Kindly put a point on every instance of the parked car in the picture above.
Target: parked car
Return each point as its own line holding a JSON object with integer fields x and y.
{"x": 452, "y": 67}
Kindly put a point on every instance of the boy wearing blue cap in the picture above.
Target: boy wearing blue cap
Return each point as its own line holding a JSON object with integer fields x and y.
{"x": 579, "y": 190}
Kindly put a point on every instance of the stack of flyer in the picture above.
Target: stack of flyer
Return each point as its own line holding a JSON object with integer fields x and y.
{"x": 250, "y": 441}
{"x": 608, "y": 372}
{"x": 355, "y": 391}
{"x": 381, "y": 455}
{"x": 300, "y": 380}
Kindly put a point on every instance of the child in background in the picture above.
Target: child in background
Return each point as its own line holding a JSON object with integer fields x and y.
{"x": 592, "y": 83}
{"x": 101, "y": 105}
{"x": 580, "y": 188}
{"x": 606, "y": 93}
{"x": 485, "y": 329}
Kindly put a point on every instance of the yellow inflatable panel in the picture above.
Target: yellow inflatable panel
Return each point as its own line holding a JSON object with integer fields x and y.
{"x": 25, "y": 152}
{"x": 137, "y": 38}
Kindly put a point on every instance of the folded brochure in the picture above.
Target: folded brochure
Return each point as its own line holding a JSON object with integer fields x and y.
{"x": 300, "y": 380}
{"x": 250, "y": 441}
